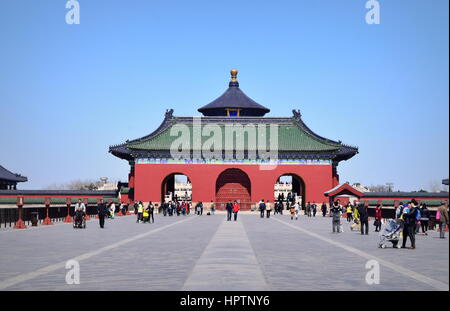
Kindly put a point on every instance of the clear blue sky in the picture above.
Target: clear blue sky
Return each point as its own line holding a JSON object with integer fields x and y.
{"x": 67, "y": 92}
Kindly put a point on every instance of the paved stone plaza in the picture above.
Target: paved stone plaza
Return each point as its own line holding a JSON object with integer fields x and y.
{"x": 209, "y": 253}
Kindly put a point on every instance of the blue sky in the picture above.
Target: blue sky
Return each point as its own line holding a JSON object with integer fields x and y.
{"x": 67, "y": 92}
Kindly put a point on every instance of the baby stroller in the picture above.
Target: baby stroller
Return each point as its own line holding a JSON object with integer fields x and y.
{"x": 354, "y": 224}
{"x": 145, "y": 216}
{"x": 79, "y": 221}
{"x": 391, "y": 233}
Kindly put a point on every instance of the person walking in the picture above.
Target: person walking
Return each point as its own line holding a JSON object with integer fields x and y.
{"x": 349, "y": 212}
{"x": 296, "y": 210}
{"x": 235, "y": 209}
{"x": 292, "y": 211}
{"x": 443, "y": 219}
{"x": 324, "y": 209}
{"x": 151, "y": 209}
{"x": 212, "y": 207}
{"x": 102, "y": 212}
{"x": 378, "y": 218}
{"x": 262, "y": 208}
{"x": 268, "y": 208}
{"x": 335, "y": 212}
{"x": 308, "y": 209}
{"x": 409, "y": 224}
{"x": 424, "y": 219}
{"x": 140, "y": 211}
{"x": 112, "y": 210}
{"x": 314, "y": 209}
{"x": 229, "y": 208}
{"x": 363, "y": 218}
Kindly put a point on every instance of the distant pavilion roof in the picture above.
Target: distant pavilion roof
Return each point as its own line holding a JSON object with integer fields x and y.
{"x": 234, "y": 98}
{"x": 9, "y": 176}
{"x": 295, "y": 139}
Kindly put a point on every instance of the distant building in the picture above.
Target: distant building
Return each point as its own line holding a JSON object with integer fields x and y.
{"x": 360, "y": 187}
{"x": 104, "y": 185}
{"x": 9, "y": 180}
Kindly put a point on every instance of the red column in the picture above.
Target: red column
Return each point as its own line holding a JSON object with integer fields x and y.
{"x": 20, "y": 224}
{"x": 47, "y": 221}
{"x": 68, "y": 217}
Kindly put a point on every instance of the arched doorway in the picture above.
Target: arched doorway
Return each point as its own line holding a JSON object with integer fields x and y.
{"x": 290, "y": 187}
{"x": 176, "y": 186}
{"x": 233, "y": 184}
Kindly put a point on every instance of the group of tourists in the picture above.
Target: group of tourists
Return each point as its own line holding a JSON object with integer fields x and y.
{"x": 144, "y": 213}
{"x": 410, "y": 215}
{"x": 178, "y": 208}
{"x": 232, "y": 209}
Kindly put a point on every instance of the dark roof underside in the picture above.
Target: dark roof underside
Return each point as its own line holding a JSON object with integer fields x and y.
{"x": 8, "y": 176}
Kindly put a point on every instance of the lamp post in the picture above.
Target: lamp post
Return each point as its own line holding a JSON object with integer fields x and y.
{"x": 20, "y": 224}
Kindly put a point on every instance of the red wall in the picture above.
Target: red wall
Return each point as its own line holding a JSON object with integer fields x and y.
{"x": 149, "y": 177}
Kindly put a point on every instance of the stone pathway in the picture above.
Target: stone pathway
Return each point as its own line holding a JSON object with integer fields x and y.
{"x": 228, "y": 262}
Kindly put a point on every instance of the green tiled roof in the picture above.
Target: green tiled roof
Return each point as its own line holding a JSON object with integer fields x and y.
{"x": 388, "y": 202}
{"x": 8, "y": 200}
{"x": 432, "y": 202}
{"x": 290, "y": 138}
{"x": 34, "y": 201}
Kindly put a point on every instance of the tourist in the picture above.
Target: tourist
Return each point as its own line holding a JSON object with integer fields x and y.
{"x": 165, "y": 207}
{"x": 292, "y": 212}
{"x": 296, "y": 210}
{"x": 199, "y": 208}
{"x": 349, "y": 212}
{"x": 102, "y": 212}
{"x": 281, "y": 207}
{"x": 308, "y": 209}
{"x": 140, "y": 211}
{"x": 262, "y": 208}
{"x": 212, "y": 207}
{"x": 235, "y": 209}
{"x": 151, "y": 209}
{"x": 335, "y": 212}
{"x": 409, "y": 224}
{"x": 363, "y": 218}
{"x": 79, "y": 206}
{"x": 135, "y": 206}
{"x": 377, "y": 222}
{"x": 268, "y": 208}
{"x": 399, "y": 210}
{"x": 443, "y": 219}
{"x": 112, "y": 210}
{"x": 425, "y": 217}
{"x": 314, "y": 209}
{"x": 324, "y": 209}
{"x": 229, "y": 208}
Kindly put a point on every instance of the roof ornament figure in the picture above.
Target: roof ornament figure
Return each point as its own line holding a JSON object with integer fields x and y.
{"x": 169, "y": 113}
{"x": 296, "y": 113}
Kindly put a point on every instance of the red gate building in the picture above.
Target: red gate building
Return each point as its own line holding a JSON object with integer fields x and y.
{"x": 232, "y": 152}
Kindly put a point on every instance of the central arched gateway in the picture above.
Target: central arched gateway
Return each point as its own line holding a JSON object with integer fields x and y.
{"x": 233, "y": 184}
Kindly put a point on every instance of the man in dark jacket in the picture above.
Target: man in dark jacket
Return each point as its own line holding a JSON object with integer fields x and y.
{"x": 102, "y": 212}
{"x": 335, "y": 212}
{"x": 364, "y": 218}
{"x": 229, "y": 208}
{"x": 262, "y": 208}
{"x": 324, "y": 209}
{"x": 409, "y": 224}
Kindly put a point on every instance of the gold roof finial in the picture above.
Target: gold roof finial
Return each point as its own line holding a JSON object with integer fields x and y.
{"x": 234, "y": 73}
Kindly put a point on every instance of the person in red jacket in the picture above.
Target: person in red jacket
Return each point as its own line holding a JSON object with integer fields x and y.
{"x": 378, "y": 218}
{"x": 235, "y": 209}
